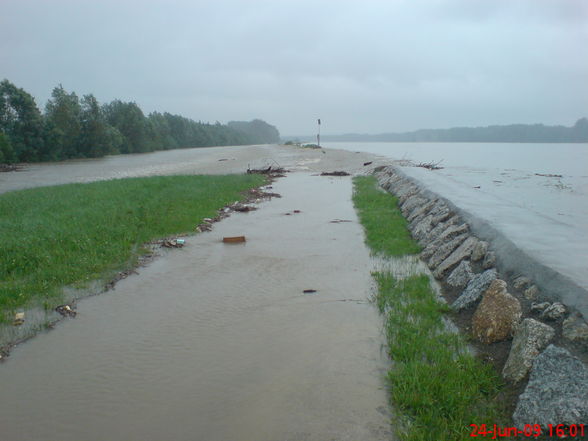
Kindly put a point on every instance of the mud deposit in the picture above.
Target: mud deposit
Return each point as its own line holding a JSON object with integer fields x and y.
{"x": 218, "y": 341}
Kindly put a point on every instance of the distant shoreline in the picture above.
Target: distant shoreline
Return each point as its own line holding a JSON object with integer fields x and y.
{"x": 513, "y": 133}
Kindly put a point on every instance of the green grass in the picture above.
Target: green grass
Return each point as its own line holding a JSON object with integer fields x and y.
{"x": 436, "y": 385}
{"x": 71, "y": 234}
{"x": 385, "y": 227}
{"x": 435, "y": 381}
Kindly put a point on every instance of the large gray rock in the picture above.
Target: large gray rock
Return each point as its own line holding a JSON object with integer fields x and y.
{"x": 442, "y": 213}
{"x": 479, "y": 251}
{"x": 442, "y": 237}
{"x": 554, "y": 312}
{"x": 474, "y": 290}
{"x": 452, "y": 231}
{"x": 462, "y": 252}
{"x": 521, "y": 282}
{"x": 406, "y": 190}
{"x": 445, "y": 250}
{"x": 575, "y": 329}
{"x": 411, "y": 203}
{"x": 497, "y": 315}
{"x": 420, "y": 211}
{"x": 489, "y": 260}
{"x": 422, "y": 228}
{"x": 437, "y": 230}
{"x": 530, "y": 338}
{"x": 461, "y": 275}
{"x": 557, "y": 392}
{"x": 531, "y": 292}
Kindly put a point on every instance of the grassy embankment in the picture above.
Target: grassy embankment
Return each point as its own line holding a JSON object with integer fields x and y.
{"x": 436, "y": 385}
{"x": 71, "y": 234}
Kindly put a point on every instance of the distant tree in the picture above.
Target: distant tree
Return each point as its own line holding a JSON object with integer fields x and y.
{"x": 21, "y": 121}
{"x": 159, "y": 132}
{"x": 128, "y": 118}
{"x": 580, "y": 130}
{"x": 62, "y": 126}
{"x": 7, "y": 155}
{"x": 257, "y": 131}
{"x": 97, "y": 137}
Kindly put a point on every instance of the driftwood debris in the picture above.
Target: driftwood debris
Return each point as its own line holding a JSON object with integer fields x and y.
{"x": 271, "y": 171}
{"x": 547, "y": 175}
{"x": 242, "y": 208}
{"x": 10, "y": 167}
{"x": 430, "y": 165}
{"x": 367, "y": 163}
{"x": 309, "y": 291}
{"x": 335, "y": 173}
{"x": 66, "y": 311}
{"x": 172, "y": 243}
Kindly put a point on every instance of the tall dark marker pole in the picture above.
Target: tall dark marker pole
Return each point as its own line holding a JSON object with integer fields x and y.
{"x": 318, "y": 136}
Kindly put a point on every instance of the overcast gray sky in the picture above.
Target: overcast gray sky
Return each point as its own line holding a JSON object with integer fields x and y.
{"x": 364, "y": 66}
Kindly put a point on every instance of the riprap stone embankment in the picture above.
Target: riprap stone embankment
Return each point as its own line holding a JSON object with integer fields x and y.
{"x": 513, "y": 309}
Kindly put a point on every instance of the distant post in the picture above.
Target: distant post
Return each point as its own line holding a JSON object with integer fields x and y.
{"x": 318, "y": 136}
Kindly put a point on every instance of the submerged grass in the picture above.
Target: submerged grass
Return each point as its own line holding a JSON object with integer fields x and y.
{"x": 71, "y": 234}
{"x": 436, "y": 385}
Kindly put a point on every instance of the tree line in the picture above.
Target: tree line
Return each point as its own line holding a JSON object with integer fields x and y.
{"x": 71, "y": 127}
{"x": 535, "y": 133}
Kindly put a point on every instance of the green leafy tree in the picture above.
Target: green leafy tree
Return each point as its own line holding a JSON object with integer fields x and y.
{"x": 97, "y": 137}
{"x": 128, "y": 118}
{"x": 62, "y": 125}
{"x": 7, "y": 155}
{"x": 21, "y": 121}
{"x": 160, "y": 132}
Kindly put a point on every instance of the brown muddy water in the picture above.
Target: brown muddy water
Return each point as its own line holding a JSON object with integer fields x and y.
{"x": 217, "y": 341}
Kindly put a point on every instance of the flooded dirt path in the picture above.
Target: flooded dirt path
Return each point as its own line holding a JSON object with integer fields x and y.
{"x": 218, "y": 342}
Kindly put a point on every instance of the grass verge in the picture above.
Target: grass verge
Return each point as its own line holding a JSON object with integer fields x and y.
{"x": 71, "y": 234}
{"x": 436, "y": 385}
{"x": 385, "y": 227}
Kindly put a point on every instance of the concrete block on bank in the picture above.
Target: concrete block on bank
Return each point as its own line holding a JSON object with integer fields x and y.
{"x": 531, "y": 337}
{"x": 474, "y": 290}
{"x": 557, "y": 392}
{"x": 497, "y": 315}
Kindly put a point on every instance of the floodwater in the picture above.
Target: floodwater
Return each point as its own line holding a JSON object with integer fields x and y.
{"x": 209, "y": 160}
{"x": 217, "y": 341}
{"x": 502, "y": 184}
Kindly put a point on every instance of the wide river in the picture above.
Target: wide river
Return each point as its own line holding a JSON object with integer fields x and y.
{"x": 510, "y": 188}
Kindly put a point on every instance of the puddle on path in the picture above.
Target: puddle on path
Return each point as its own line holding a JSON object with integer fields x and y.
{"x": 218, "y": 341}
